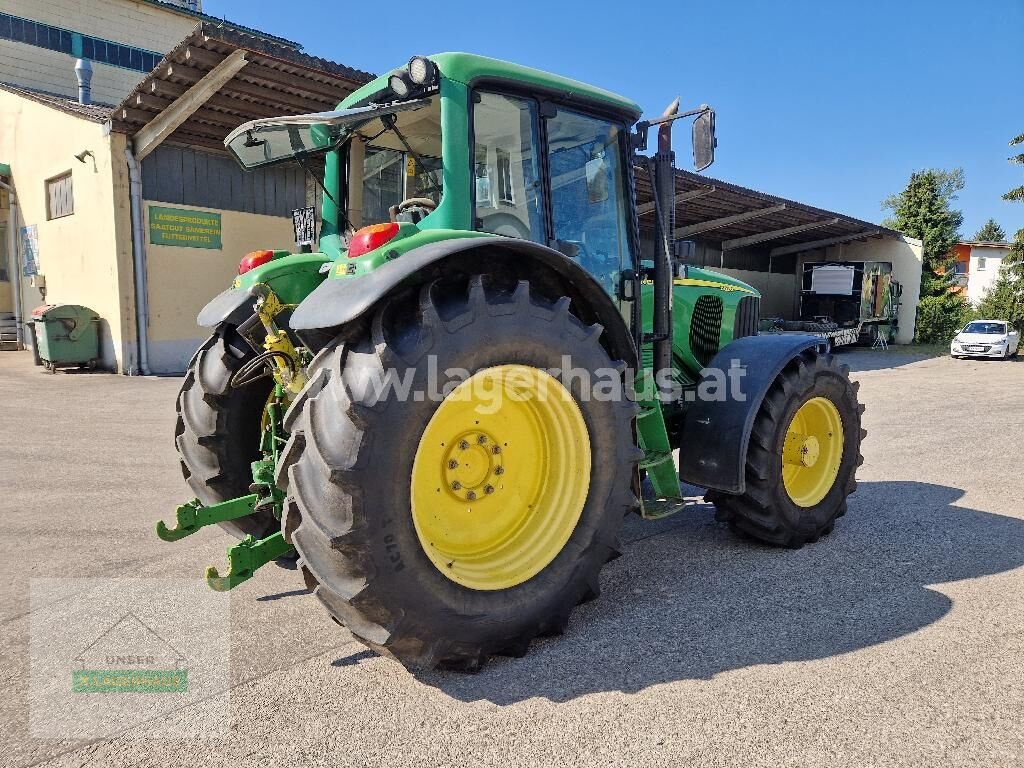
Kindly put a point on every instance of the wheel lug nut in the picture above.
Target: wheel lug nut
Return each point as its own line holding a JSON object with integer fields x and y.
{"x": 456, "y": 485}
{"x": 488, "y": 489}
{"x": 482, "y": 439}
{"x": 463, "y": 444}
{"x": 453, "y": 464}
{"x": 495, "y": 449}
{"x": 499, "y": 470}
{"x": 471, "y": 495}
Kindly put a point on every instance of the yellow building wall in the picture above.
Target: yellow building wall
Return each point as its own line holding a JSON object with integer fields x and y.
{"x": 141, "y": 25}
{"x": 182, "y": 280}
{"x": 85, "y": 258}
{"x": 6, "y": 286}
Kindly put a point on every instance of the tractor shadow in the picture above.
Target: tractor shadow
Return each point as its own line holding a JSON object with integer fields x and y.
{"x": 689, "y": 600}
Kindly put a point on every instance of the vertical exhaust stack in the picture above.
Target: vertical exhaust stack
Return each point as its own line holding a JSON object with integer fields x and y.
{"x": 664, "y": 183}
{"x": 83, "y": 71}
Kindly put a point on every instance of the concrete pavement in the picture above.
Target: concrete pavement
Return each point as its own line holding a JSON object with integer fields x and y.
{"x": 897, "y": 640}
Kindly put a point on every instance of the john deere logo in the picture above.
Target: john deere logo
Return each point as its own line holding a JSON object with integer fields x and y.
{"x": 129, "y": 657}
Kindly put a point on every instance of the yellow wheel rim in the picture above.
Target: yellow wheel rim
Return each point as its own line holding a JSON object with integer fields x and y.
{"x": 500, "y": 477}
{"x": 812, "y": 452}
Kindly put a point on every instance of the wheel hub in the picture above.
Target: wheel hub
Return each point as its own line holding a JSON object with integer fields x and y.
{"x": 801, "y": 450}
{"x": 500, "y": 477}
{"x": 812, "y": 452}
{"x": 473, "y": 465}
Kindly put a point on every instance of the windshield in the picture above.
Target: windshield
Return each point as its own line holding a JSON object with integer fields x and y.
{"x": 987, "y": 328}
{"x": 280, "y": 139}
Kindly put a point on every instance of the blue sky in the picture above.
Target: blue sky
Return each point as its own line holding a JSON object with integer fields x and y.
{"x": 826, "y": 102}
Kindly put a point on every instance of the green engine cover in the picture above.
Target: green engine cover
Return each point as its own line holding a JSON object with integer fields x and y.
{"x": 709, "y": 310}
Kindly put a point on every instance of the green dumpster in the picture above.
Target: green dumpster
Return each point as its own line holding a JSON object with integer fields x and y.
{"x": 66, "y": 334}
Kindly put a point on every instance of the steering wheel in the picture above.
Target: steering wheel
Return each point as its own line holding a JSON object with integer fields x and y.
{"x": 415, "y": 208}
{"x": 417, "y": 202}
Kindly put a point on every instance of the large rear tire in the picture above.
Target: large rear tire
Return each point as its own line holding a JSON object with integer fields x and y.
{"x": 218, "y": 429}
{"x": 445, "y": 570}
{"x": 803, "y": 456}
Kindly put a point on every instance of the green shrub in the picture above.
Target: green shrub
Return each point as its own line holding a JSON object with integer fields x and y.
{"x": 940, "y": 317}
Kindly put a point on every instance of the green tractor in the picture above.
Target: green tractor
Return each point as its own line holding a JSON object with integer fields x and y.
{"x": 447, "y": 404}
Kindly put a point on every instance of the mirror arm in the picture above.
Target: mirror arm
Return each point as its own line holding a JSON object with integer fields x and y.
{"x": 639, "y": 138}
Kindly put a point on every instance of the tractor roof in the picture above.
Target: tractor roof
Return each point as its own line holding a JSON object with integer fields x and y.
{"x": 468, "y": 68}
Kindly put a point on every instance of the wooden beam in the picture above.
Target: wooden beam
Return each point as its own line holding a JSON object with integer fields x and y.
{"x": 284, "y": 103}
{"x": 151, "y": 102}
{"x": 256, "y": 70}
{"x": 131, "y": 115}
{"x": 786, "y": 250}
{"x": 725, "y": 221}
{"x": 170, "y": 90}
{"x": 149, "y": 137}
{"x": 682, "y": 197}
{"x": 743, "y": 242}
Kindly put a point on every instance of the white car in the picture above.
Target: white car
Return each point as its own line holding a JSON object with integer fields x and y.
{"x": 985, "y": 338}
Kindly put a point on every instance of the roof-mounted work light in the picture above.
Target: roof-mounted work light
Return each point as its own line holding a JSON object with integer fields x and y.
{"x": 400, "y": 85}
{"x": 422, "y": 71}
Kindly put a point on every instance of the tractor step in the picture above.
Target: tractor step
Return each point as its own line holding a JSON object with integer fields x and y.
{"x": 194, "y": 515}
{"x": 657, "y": 509}
{"x": 658, "y": 460}
{"x": 245, "y": 558}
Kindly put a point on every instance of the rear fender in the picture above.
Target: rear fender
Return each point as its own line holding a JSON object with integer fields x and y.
{"x": 716, "y": 433}
{"x": 292, "y": 278}
{"x": 338, "y": 302}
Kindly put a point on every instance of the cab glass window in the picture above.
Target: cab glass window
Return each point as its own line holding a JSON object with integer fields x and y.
{"x": 400, "y": 159}
{"x": 588, "y": 204}
{"x": 506, "y": 175}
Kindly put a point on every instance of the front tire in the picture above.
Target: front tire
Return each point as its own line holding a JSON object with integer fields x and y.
{"x": 454, "y": 580}
{"x": 803, "y": 456}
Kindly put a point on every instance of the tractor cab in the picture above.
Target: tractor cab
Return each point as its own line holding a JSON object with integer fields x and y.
{"x": 517, "y": 153}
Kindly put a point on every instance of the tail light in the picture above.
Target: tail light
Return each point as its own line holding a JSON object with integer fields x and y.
{"x": 254, "y": 259}
{"x": 370, "y": 238}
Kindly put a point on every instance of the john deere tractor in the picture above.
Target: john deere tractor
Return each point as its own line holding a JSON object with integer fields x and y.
{"x": 445, "y": 405}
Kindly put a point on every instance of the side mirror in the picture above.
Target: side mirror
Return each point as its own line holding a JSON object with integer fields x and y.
{"x": 704, "y": 141}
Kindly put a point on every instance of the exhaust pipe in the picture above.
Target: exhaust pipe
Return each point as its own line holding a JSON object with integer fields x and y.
{"x": 664, "y": 188}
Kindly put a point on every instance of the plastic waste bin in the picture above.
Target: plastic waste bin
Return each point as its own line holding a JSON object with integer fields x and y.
{"x": 66, "y": 335}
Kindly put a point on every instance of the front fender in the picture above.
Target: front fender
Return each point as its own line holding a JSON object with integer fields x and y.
{"x": 337, "y": 302}
{"x": 716, "y": 433}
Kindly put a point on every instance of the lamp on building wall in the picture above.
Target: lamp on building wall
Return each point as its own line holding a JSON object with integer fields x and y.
{"x": 80, "y": 157}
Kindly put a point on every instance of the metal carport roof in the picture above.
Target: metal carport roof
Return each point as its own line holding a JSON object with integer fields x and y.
{"x": 735, "y": 217}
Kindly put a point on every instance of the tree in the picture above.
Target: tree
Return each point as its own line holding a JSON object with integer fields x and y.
{"x": 1018, "y": 193}
{"x": 990, "y": 232}
{"x": 924, "y": 211}
{"x": 1005, "y": 299}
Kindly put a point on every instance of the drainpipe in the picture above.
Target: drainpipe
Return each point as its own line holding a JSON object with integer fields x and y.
{"x": 13, "y": 265}
{"x": 139, "y": 260}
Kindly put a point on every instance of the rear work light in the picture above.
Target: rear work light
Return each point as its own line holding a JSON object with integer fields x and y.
{"x": 370, "y": 238}
{"x": 254, "y": 259}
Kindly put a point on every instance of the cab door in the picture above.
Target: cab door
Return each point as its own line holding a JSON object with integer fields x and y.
{"x": 554, "y": 175}
{"x": 588, "y": 193}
